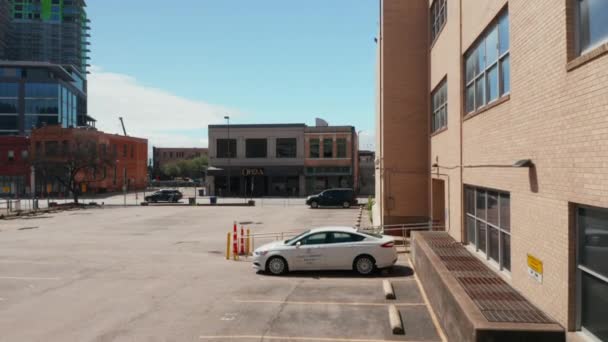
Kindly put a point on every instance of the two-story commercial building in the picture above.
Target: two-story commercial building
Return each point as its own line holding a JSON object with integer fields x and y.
{"x": 256, "y": 160}
{"x": 280, "y": 159}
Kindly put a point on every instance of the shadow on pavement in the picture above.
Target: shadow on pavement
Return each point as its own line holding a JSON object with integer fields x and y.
{"x": 393, "y": 272}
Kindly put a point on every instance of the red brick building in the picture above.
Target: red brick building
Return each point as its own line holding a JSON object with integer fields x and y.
{"x": 14, "y": 166}
{"x": 129, "y": 167}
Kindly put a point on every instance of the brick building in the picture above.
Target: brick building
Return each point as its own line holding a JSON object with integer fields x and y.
{"x": 129, "y": 167}
{"x": 14, "y": 166}
{"x": 330, "y": 158}
{"x": 504, "y": 110}
{"x": 281, "y": 159}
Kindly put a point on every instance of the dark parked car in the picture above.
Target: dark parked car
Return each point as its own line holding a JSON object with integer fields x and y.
{"x": 165, "y": 196}
{"x": 332, "y": 198}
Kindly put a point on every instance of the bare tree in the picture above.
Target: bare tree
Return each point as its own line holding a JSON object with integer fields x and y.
{"x": 73, "y": 163}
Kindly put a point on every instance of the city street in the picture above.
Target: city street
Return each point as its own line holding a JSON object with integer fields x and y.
{"x": 159, "y": 273}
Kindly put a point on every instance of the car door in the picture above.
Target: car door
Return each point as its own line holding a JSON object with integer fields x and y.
{"x": 341, "y": 250}
{"x": 310, "y": 254}
{"x": 327, "y": 198}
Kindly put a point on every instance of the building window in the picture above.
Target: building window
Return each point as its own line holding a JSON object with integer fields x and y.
{"x": 132, "y": 151}
{"x": 592, "y": 270}
{"x": 226, "y": 148}
{"x": 255, "y": 148}
{"x": 24, "y": 155}
{"x": 124, "y": 151}
{"x": 287, "y": 147}
{"x": 439, "y": 116}
{"x": 487, "y": 65}
{"x": 438, "y": 18}
{"x": 314, "y": 148}
{"x": 488, "y": 224}
{"x": 11, "y": 155}
{"x": 341, "y": 147}
{"x": 328, "y": 148}
{"x": 592, "y": 24}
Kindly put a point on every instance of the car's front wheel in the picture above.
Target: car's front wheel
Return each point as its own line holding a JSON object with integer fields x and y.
{"x": 314, "y": 204}
{"x": 346, "y": 205}
{"x": 364, "y": 265}
{"x": 276, "y": 265}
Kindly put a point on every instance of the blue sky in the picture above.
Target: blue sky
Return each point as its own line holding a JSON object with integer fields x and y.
{"x": 261, "y": 61}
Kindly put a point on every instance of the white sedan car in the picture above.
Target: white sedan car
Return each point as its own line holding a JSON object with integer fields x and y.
{"x": 327, "y": 248}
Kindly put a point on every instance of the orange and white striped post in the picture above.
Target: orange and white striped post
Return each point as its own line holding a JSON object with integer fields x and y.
{"x": 242, "y": 241}
{"x": 235, "y": 242}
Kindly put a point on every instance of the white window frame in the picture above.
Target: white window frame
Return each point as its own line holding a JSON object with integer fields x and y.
{"x": 482, "y": 76}
{"x": 442, "y": 109}
{"x": 475, "y": 246}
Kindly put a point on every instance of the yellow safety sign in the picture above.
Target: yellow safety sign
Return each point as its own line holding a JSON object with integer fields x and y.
{"x": 535, "y": 268}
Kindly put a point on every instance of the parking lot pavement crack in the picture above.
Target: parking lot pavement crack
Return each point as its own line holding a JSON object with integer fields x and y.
{"x": 277, "y": 315}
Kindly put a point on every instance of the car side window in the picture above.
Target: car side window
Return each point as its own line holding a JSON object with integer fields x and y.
{"x": 314, "y": 239}
{"x": 340, "y": 237}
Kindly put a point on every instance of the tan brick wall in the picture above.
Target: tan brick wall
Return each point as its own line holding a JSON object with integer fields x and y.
{"x": 445, "y": 146}
{"x": 404, "y": 175}
{"x": 555, "y": 117}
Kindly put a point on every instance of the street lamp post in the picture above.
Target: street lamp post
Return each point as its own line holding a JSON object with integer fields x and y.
{"x": 227, "y": 118}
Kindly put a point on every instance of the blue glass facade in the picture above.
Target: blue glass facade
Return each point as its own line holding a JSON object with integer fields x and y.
{"x": 9, "y": 107}
{"x": 37, "y": 97}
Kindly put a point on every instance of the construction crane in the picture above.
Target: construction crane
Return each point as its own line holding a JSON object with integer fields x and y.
{"x": 122, "y": 123}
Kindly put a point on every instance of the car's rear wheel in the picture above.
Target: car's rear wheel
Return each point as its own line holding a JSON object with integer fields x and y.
{"x": 364, "y": 265}
{"x": 276, "y": 265}
{"x": 314, "y": 204}
{"x": 346, "y": 205}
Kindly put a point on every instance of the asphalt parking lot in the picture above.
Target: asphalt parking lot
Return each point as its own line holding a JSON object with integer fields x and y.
{"x": 159, "y": 273}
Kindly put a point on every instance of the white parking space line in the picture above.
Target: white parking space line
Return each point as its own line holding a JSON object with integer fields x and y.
{"x": 29, "y": 262}
{"x": 298, "y": 338}
{"x": 29, "y": 278}
{"x": 325, "y": 303}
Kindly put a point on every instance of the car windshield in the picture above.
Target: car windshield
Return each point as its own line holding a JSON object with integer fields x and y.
{"x": 296, "y": 237}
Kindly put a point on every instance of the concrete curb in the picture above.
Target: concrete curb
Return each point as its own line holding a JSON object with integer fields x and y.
{"x": 394, "y": 318}
{"x": 389, "y": 292}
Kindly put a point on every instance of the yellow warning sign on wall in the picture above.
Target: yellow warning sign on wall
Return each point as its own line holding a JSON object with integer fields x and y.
{"x": 535, "y": 268}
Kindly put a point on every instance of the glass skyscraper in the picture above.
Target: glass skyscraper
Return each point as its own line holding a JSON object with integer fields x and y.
{"x": 43, "y": 64}
{"x": 36, "y": 94}
{"x": 54, "y": 31}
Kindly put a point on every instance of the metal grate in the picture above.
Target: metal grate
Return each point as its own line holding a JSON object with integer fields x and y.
{"x": 496, "y": 299}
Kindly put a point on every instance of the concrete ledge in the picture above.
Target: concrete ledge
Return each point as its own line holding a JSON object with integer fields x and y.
{"x": 458, "y": 315}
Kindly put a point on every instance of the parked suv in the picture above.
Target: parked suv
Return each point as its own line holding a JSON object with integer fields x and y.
{"x": 165, "y": 196}
{"x": 332, "y": 198}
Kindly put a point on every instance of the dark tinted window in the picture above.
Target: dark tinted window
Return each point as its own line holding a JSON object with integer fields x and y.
{"x": 328, "y": 148}
{"x": 286, "y": 147}
{"x": 9, "y": 89}
{"x": 340, "y": 237}
{"x": 8, "y": 122}
{"x": 314, "y": 148}
{"x": 226, "y": 148}
{"x": 315, "y": 239}
{"x": 341, "y": 147}
{"x": 255, "y": 148}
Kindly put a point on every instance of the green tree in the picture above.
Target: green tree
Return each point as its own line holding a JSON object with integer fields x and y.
{"x": 190, "y": 168}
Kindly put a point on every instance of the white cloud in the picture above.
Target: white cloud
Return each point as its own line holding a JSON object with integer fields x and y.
{"x": 163, "y": 118}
